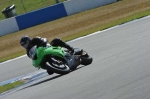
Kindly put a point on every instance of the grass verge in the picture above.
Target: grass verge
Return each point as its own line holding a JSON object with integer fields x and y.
{"x": 118, "y": 22}
{"x": 10, "y": 86}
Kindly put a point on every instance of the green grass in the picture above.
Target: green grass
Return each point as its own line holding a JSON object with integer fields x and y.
{"x": 10, "y": 86}
{"x": 29, "y": 5}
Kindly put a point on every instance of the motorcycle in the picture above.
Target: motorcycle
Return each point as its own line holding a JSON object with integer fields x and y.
{"x": 55, "y": 59}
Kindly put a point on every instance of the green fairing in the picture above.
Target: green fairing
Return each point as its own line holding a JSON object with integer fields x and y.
{"x": 43, "y": 51}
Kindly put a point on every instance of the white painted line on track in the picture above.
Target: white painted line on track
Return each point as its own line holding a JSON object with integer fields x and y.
{"x": 31, "y": 76}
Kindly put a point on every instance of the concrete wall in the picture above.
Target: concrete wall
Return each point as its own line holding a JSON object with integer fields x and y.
{"x": 75, "y": 6}
{"x": 48, "y": 14}
{"x": 8, "y": 26}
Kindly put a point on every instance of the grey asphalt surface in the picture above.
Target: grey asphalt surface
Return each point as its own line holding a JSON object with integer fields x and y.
{"x": 120, "y": 70}
{"x": 15, "y": 68}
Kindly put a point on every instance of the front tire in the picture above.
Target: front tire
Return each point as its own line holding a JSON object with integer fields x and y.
{"x": 50, "y": 72}
{"x": 64, "y": 69}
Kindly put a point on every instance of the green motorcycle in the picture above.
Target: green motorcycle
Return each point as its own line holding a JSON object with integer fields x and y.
{"x": 57, "y": 60}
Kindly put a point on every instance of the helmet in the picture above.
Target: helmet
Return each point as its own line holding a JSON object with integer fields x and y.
{"x": 25, "y": 41}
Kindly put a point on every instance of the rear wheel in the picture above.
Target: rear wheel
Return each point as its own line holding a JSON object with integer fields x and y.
{"x": 85, "y": 58}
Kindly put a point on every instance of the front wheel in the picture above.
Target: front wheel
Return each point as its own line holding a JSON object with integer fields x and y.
{"x": 60, "y": 68}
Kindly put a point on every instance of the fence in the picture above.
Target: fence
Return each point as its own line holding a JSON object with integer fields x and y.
{"x": 25, "y": 6}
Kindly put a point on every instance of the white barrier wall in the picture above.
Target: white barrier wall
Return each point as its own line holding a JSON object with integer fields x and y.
{"x": 67, "y": 8}
{"x": 75, "y": 6}
{"x": 8, "y": 26}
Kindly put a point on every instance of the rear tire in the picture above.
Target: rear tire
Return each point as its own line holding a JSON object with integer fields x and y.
{"x": 86, "y": 59}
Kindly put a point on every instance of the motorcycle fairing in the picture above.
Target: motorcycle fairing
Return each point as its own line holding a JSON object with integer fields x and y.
{"x": 41, "y": 52}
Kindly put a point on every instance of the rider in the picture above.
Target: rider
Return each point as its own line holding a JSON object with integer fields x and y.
{"x": 28, "y": 43}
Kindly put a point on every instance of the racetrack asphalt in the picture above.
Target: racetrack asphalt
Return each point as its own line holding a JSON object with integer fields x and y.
{"x": 120, "y": 69}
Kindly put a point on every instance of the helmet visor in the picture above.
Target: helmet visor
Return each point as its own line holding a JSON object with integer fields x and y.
{"x": 25, "y": 44}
